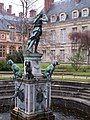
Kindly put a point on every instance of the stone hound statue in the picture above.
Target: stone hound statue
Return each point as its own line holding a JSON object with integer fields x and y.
{"x": 49, "y": 70}
{"x": 15, "y": 68}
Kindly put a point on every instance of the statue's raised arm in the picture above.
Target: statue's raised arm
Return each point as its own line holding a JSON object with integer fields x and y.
{"x": 36, "y": 32}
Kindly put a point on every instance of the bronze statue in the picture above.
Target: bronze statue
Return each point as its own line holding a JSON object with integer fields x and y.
{"x": 36, "y": 32}
{"x": 49, "y": 70}
{"x": 28, "y": 69}
{"x": 15, "y": 68}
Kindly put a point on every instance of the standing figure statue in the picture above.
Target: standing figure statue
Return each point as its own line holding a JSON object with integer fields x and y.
{"x": 15, "y": 68}
{"x": 49, "y": 70}
{"x": 36, "y": 32}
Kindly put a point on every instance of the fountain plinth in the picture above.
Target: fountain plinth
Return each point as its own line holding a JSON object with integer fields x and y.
{"x": 34, "y": 96}
{"x": 33, "y": 91}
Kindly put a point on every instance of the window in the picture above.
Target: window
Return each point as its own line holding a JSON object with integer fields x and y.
{"x": 44, "y": 54}
{"x": 75, "y": 14}
{"x": 85, "y": 12}
{"x": 52, "y": 55}
{"x": 84, "y": 53}
{"x": 12, "y": 49}
{"x": 84, "y": 28}
{"x": 63, "y": 35}
{"x": 2, "y": 51}
{"x": 19, "y": 37}
{"x": 62, "y": 55}
{"x": 12, "y": 33}
{"x": 20, "y": 48}
{"x": 53, "y": 35}
{"x": 62, "y": 16}
{"x": 53, "y": 18}
{"x": 74, "y": 29}
{"x": 2, "y": 36}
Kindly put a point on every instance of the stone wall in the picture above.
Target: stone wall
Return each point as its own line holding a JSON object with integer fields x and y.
{"x": 71, "y": 95}
{"x": 7, "y": 90}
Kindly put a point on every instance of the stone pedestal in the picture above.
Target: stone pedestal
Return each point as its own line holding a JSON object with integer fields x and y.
{"x": 34, "y": 100}
{"x": 18, "y": 115}
{"x": 35, "y": 60}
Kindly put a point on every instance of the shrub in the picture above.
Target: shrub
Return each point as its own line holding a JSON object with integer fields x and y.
{"x": 16, "y": 57}
{"x": 4, "y": 66}
{"x": 76, "y": 61}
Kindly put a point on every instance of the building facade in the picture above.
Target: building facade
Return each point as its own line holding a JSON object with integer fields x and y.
{"x": 13, "y": 32}
{"x": 65, "y": 17}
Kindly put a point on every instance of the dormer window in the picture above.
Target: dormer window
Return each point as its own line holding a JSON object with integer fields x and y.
{"x": 62, "y": 16}
{"x": 53, "y": 18}
{"x": 75, "y": 14}
{"x": 85, "y": 12}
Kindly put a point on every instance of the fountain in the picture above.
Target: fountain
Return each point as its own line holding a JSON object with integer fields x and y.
{"x": 33, "y": 89}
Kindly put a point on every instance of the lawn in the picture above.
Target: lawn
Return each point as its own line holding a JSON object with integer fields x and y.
{"x": 64, "y": 70}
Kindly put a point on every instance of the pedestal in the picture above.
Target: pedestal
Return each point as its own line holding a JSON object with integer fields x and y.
{"x": 17, "y": 115}
{"x": 34, "y": 99}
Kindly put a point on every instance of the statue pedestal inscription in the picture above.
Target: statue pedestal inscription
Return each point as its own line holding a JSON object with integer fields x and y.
{"x": 34, "y": 100}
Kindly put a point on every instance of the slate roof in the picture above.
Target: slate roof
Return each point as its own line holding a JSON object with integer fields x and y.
{"x": 7, "y": 20}
{"x": 67, "y": 6}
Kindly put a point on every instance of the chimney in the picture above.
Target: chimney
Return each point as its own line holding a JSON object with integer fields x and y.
{"x": 47, "y": 4}
{"x": 32, "y": 13}
{"x": 9, "y": 10}
{"x": 1, "y": 7}
{"x": 21, "y": 14}
{"x": 77, "y": 1}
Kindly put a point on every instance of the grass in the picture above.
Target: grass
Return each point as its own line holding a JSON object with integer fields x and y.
{"x": 62, "y": 69}
{"x": 73, "y": 79}
{"x": 6, "y": 78}
{"x": 21, "y": 66}
{"x": 73, "y": 73}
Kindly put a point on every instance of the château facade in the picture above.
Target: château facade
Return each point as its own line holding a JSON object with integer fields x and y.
{"x": 12, "y": 30}
{"x": 65, "y": 17}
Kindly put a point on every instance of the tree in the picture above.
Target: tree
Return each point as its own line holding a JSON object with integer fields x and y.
{"x": 76, "y": 61}
{"x": 82, "y": 39}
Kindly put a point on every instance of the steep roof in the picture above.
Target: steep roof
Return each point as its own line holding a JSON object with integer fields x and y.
{"x": 7, "y": 20}
{"x": 67, "y": 6}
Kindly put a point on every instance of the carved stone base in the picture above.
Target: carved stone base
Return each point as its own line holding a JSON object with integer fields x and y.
{"x": 17, "y": 115}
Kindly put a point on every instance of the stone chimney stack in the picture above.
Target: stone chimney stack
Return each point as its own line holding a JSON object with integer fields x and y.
{"x": 1, "y": 7}
{"x": 32, "y": 13}
{"x": 77, "y": 1}
{"x": 47, "y": 4}
{"x": 9, "y": 10}
{"x": 21, "y": 14}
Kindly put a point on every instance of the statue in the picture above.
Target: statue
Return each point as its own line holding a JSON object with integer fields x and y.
{"x": 28, "y": 70}
{"x": 36, "y": 32}
{"x": 15, "y": 68}
{"x": 49, "y": 70}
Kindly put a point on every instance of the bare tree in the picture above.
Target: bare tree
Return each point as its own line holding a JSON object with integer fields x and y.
{"x": 82, "y": 39}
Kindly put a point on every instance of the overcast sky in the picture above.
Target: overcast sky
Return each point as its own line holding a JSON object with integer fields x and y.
{"x": 16, "y": 5}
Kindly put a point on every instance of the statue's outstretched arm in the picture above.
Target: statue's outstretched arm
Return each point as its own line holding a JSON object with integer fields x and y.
{"x": 45, "y": 18}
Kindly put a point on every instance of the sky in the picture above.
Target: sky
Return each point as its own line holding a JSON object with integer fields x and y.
{"x": 17, "y": 6}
